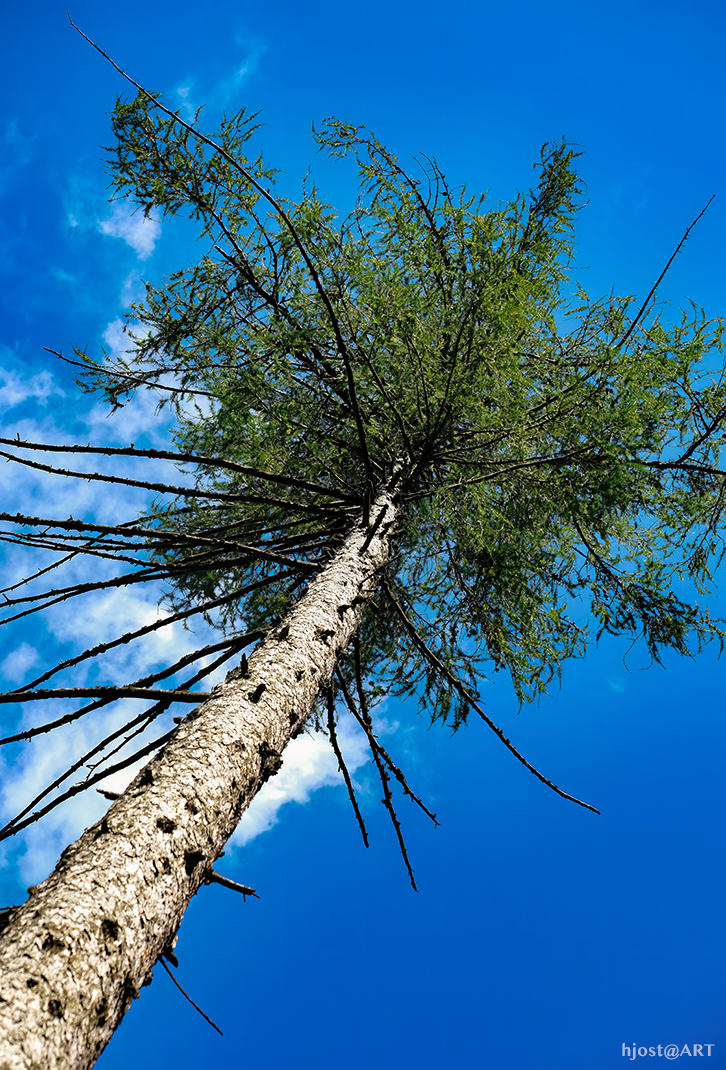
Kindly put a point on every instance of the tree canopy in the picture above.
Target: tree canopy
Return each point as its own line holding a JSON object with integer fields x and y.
{"x": 554, "y": 459}
{"x": 546, "y": 448}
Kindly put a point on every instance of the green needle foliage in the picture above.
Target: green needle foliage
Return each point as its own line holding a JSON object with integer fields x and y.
{"x": 556, "y": 459}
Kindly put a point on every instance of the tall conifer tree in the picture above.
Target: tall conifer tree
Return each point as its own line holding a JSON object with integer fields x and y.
{"x": 416, "y": 458}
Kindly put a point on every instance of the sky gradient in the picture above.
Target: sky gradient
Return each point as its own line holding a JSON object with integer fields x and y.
{"x": 542, "y": 936}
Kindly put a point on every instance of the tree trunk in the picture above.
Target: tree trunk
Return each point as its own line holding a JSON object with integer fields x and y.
{"x": 76, "y": 953}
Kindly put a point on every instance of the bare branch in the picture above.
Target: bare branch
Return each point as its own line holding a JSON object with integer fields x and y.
{"x": 465, "y": 694}
{"x": 109, "y": 691}
{"x": 364, "y": 718}
{"x": 165, "y": 488}
{"x": 216, "y": 878}
{"x": 343, "y": 767}
{"x": 189, "y": 998}
{"x": 143, "y": 719}
{"x": 173, "y": 618}
{"x": 660, "y": 278}
{"x": 11, "y": 829}
{"x": 182, "y": 458}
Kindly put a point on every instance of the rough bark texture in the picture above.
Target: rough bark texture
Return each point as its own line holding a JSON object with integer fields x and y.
{"x": 76, "y": 953}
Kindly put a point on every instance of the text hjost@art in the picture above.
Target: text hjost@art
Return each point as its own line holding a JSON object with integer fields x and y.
{"x": 671, "y": 1051}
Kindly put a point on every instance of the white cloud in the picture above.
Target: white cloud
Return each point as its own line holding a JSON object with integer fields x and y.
{"x": 117, "y": 335}
{"x": 17, "y": 663}
{"x": 132, "y": 289}
{"x": 137, "y": 230}
{"x": 16, "y": 388}
{"x": 309, "y": 763}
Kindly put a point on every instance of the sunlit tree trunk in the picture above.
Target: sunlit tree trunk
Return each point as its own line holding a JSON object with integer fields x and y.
{"x": 76, "y": 953}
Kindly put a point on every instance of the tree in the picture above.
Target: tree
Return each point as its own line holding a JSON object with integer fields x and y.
{"x": 402, "y": 469}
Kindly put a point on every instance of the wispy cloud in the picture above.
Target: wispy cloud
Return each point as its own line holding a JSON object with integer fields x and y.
{"x": 226, "y": 90}
{"x": 15, "y": 151}
{"x": 229, "y": 87}
{"x": 132, "y": 289}
{"x": 18, "y": 662}
{"x": 137, "y": 230}
{"x": 17, "y": 387}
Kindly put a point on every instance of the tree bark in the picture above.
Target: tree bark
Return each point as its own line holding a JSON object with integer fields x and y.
{"x": 77, "y": 952}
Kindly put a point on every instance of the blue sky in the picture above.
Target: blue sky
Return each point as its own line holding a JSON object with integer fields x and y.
{"x": 542, "y": 936}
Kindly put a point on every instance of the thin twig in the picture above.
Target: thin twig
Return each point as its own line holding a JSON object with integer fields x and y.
{"x": 188, "y": 997}
{"x": 166, "y": 488}
{"x": 343, "y": 767}
{"x": 660, "y": 278}
{"x": 375, "y": 744}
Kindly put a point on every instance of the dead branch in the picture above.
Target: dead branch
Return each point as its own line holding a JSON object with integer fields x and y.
{"x": 183, "y": 458}
{"x": 189, "y": 998}
{"x": 217, "y": 878}
{"x": 343, "y": 767}
{"x": 464, "y": 692}
{"x": 387, "y": 799}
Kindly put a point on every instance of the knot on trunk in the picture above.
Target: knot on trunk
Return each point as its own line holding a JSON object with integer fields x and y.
{"x": 271, "y": 760}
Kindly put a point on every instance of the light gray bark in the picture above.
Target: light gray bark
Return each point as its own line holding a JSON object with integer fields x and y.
{"x": 79, "y": 949}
